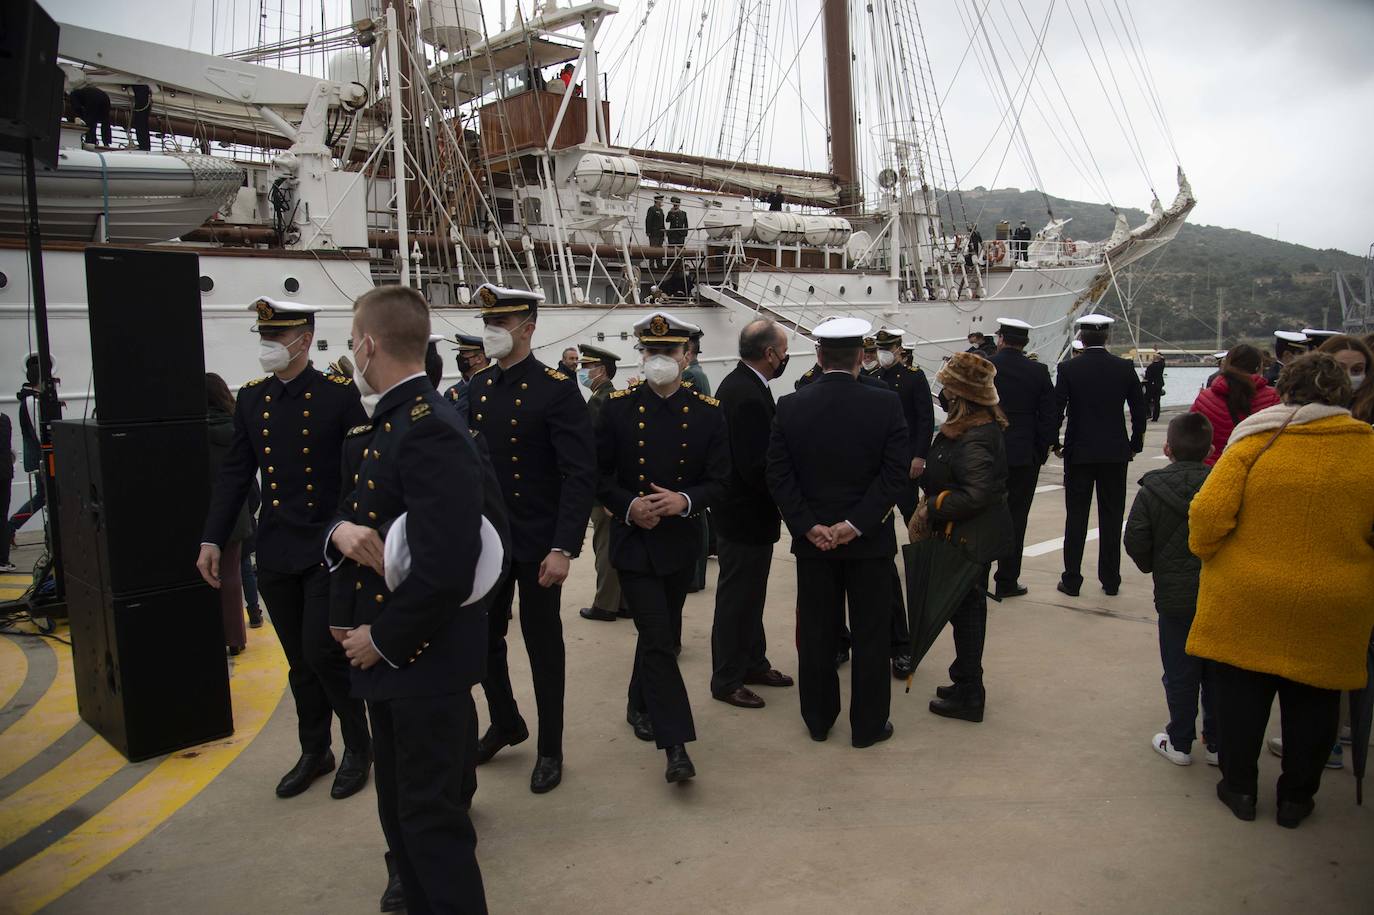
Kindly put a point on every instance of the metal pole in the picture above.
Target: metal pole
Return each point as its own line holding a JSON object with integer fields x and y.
{"x": 398, "y": 154}
{"x": 49, "y": 407}
{"x": 840, "y": 100}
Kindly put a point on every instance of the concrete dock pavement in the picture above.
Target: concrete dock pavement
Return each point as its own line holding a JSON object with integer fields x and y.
{"x": 1055, "y": 803}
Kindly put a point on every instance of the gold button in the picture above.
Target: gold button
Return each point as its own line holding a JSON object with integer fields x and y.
{"x": 305, "y": 450}
{"x": 516, "y": 476}
{"x": 684, "y": 444}
{"x": 517, "y": 495}
{"x": 641, "y": 425}
{"x": 372, "y": 516}
{"x": 681, "y": 461}
{"x": 419, "y": 397}
{"x": 266, "y": 450}
{"x": 515, "y": 458}
{"x": 371, "y": 484}
{"x": 268, "y": 398}
{"x": 276, "y": 503}
{"x": 305, "y": 413}
{"x": 641, "y": 477}
{"x": 513, "y": 439}
{"x": 264, "y": 433}
{"x": 357, "y": 586}
{"x": 307, "y": 431}
{"x": 524, "y": 386}
{"x": 272, "y": 485}
{"x": 355, "y": 478}
{"x": 308, "y": 395}
{"x": 386, "y": 427}
{"x": 355, "y": 506}
{"x": 309, "y": 487}
{"x": 641, "y": 443}
{"x": 479, "y": 417}
{"x": 515, "y": 422}
{"x": 376, "y": 453}
{"x": 642, "y": 492}
{"x": 266, "y": 415}
{"x": 641, "y": 460}
{"x": 517, "y": 401}
{"x": 271, "y": 469}
{"x": 488, "y": 381}
{"x": 482, "y": 399}
{"x": 685, "y": 409}
{"x": 378, "y": 598}
{"x": 307, "y": 470}
{"x": 310, "y": 505}
{"x": 641, "y": 408}
{"x": 684, "y": 425}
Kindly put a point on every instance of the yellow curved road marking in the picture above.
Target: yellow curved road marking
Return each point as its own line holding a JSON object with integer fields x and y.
{"x": 49, "y": 718}
{"x": 14, "y": 667}
{"x": 57, "y": 789}
{"x": 258, "y": 681}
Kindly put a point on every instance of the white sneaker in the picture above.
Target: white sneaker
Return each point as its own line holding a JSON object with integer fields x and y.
{"x": 1166, "y": 749}
{"x": 1275, "y": 745}
{"x": 11, "y": 567}
{"x": 1212, "y": 758}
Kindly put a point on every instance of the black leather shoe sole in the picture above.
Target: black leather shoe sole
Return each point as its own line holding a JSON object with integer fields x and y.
{"x": 294, "y": 782}
{"x": 680, "y": 771}
{"x": 493, "y": 743}
{"x": 547, "y": 775}
{"x": 592, "y": 613}
{"x": 1065, "y": 589}
{"x": 953, "y": 708}
{"x": 1291, "y": 813}
{"x": 1242, "y": 805}
{"x": 882, "y": 735}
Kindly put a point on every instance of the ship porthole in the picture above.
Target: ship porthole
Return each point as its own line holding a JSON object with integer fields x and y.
{"x": 810, "y": 290}
{"x": 777, "y": 290}
{"x": 291, "y": 285}
{"x": 870, "y": 290}
{"x": 4, "y": 281}
{"x": 207, "y": 284}
{"x": 841, "y": 290}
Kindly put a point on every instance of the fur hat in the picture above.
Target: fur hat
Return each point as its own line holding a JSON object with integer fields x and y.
{"x": 969, "y": 376}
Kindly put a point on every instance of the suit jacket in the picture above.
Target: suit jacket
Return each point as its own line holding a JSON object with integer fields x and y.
{"x": 678, "y": 443}
{"x": 536, "y": 424}
{"x": 1092, "y": 389}
{"x": 838, "y": 453}
{"x": 1027, "y": 396}
{"x": 291, "y": 433}
{"x": 416, "y": 459}
{"x": 747, "y": 513}
{"x": 911, "y": 386}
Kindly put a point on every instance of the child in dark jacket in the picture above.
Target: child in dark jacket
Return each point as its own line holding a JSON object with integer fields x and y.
{"x": 1156, "y": 538}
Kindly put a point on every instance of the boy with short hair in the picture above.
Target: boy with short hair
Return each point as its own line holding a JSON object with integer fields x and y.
{"x": 1156, "y": 537}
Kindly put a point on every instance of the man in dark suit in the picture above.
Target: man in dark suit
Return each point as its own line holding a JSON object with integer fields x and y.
{"x": 1154, "y": 385}
{"x": 746, "y": 522}
{"x": 540, "y": 435}
{"x": 416, "y": 643}
{"x": 837, "y": 464}
{"x": 288, "y": 429}
{"x": 663, "y": 459}
{"x": 1027, "y": 398}
{"x": 1092, "y": 390}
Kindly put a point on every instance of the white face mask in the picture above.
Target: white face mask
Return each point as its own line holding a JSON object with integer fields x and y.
{"x": 275, "y": 357}
{"x": 1356, "y": 380}
{"x": 497, "y": 342}
{"x": 885, "y": 359}
{"x": 661, "y": 370}
{"x": 870, "y": 364}
{"x": 370, "y": 396}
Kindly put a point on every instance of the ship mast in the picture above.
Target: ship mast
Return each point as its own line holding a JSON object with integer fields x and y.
{"x": 840, "y": 101}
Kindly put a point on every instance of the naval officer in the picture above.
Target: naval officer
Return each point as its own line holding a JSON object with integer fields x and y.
{"x": 837, "y": 464}
{"x": 1288, "y": 345}
{"x": 540, "y": 435}
{"x": 1027, "y": 398}
{"x": 663, "y": 459}
{"x": 597, "y": 374}
{"x": 288, "y": 429}
{"x": 1092, "y": 391}
{"x": 471, "y": 360}
{"x": 415, "y": 647}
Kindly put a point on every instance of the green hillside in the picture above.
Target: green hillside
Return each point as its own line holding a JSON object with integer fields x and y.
{"x": 1266, "y": 284}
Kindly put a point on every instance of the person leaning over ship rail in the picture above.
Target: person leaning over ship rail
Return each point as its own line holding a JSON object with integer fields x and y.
{"x": 1304, "y": 637}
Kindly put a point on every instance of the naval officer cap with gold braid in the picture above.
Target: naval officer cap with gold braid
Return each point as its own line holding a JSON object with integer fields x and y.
{"x": 501, "y": 300}
{"x": 662, "y": 329}
{"x": 274, "y": 316}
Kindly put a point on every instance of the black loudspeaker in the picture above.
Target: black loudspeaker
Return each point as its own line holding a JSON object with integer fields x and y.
{"x": 31, "y": 103}
{"x": 134, "y": 498}
{"x": 147, "y": 350}
{"x": 151, "y": 675}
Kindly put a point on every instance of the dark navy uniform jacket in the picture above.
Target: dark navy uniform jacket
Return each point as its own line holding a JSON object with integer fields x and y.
{"x": 1092, "y": 389}
{"x": 457, "y": 395}
{"x": 418, "y": 460}
{"x": 290, "y": 432}
{"x": 679, "y": 443}
{"x": 913, "y": 389}
{"x": 866, "y": 378}
{"x": 540, "y": 435}
{"x": 1027, "y": 397}
{"x": 839, "y": 453}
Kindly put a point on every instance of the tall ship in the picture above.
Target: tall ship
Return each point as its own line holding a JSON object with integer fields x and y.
{"x": 432, "y": 144}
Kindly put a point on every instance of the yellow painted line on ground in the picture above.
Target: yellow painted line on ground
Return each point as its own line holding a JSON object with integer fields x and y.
{"x": 258, "y": 681}
{"x": 14, "y": 667}
{"x": 57, "y": 789}
{"x": 49, "y": 718}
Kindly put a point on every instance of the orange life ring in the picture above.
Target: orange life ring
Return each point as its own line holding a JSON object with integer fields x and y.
{"x": 997, "y": 252}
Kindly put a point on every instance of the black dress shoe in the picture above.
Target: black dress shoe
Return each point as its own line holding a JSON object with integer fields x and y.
{"x": 547, "y": 774}
{"x": 596, "y": 613}
{"x": 393, "y": 897}
{"x": 493, "y": 741}
{"x": 1065, "y": 589}
{"x": 308, "y": 768}
{"x": 1291, "y": 813}
{"x": 1242, "y": 805}
{"x": 946, "y": 692}
{"x": 680, "y": 766}
{"x": 1111, "y": 590}
{"x": 962, "y": 705}
{"x": 235, "y": 650}
{"x": 841, "y": 657}
{"x": 819, "y": 736}
{"x": 1013, "y": 591}
{"x": 769, "y": 677}
{"x": 744, "y": 697}
{"x": 882, "y": 735}
{"x": 640, "y": 721}
{"x": 902, "y": 666}
{"x": 352, "y": 774}
{"x": 255, "y": 622}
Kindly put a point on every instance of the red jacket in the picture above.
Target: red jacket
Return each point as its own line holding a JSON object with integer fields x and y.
{"x": 1211, "y": 403}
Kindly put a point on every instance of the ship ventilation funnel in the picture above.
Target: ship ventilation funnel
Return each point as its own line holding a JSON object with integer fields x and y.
{"x": 451, "y": 24}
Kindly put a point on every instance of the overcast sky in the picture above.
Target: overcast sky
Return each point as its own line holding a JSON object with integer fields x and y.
{"x": 1269, "y": 101}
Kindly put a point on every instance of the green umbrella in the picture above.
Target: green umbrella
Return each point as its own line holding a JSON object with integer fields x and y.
{"x": 1361, "y": 712}
{"x": 938, "y": 575}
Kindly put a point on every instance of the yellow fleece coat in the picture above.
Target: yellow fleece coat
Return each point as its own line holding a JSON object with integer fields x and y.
{"x": 1287, "y": 550}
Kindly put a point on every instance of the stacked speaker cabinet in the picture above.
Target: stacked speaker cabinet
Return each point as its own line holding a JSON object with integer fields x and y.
{"x": 147, "y": 634}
